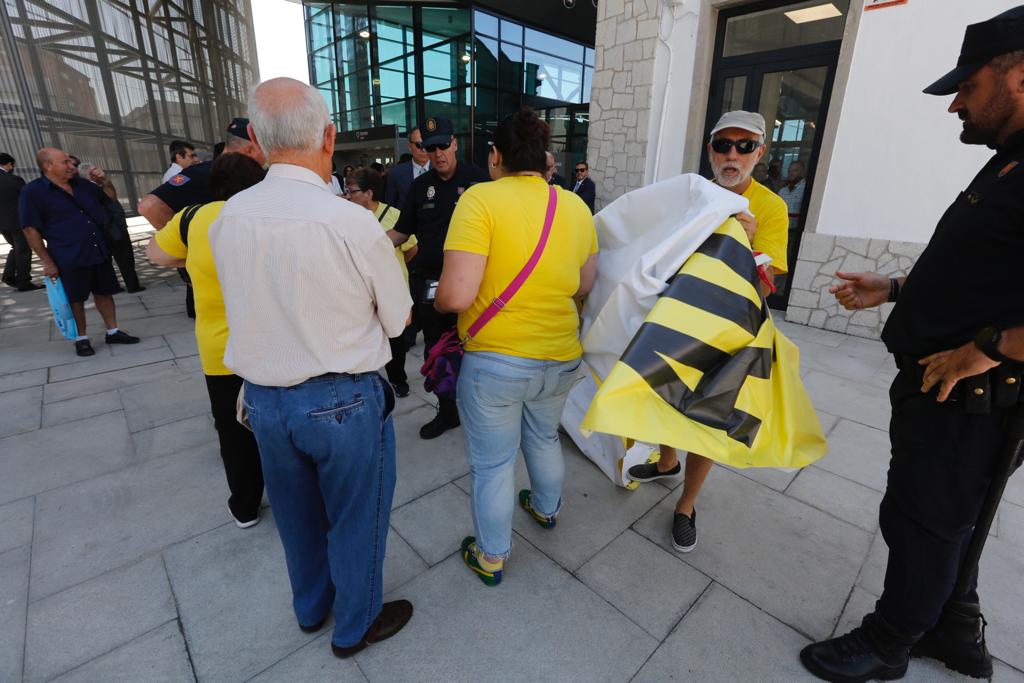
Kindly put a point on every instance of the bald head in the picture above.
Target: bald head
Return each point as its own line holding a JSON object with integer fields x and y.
{"x": 288, "y": 116}
{"x": 55, "y": 165}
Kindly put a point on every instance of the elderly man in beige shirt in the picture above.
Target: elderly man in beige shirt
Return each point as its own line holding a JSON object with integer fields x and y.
{"x": 312, "y": 293}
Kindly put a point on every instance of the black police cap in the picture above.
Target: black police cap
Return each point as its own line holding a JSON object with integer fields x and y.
{"x": 436, "y": 131}
{"x": 982, "y": 43}
{"x": 239, "y": 127}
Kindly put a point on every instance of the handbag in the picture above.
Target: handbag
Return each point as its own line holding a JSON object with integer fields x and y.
{"x": 444, "y": 359}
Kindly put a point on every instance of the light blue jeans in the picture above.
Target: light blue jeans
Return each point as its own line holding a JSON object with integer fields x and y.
{"x": 506, "y": 402}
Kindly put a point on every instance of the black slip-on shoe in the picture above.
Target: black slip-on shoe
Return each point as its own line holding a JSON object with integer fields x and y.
{"x": 84, "y": 348}
{"x": 648, "y": 471}
{"x": 121, "y": 337}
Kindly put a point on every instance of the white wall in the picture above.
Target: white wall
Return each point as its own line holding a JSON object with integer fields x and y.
{"x": 897, "y": 161}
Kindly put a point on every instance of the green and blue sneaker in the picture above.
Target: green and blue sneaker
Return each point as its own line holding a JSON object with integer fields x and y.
{"x": 489, "y": 572}
{"x": 543, "y": 520}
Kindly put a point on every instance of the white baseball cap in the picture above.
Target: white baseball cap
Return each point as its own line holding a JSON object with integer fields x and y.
{"x": 745, "y": 120}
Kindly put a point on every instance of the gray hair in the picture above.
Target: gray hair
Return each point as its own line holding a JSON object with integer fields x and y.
{"x": 288, "y": 115}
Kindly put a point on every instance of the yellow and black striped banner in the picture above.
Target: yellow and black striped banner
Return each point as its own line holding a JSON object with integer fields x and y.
{"x": 708, "y": 372}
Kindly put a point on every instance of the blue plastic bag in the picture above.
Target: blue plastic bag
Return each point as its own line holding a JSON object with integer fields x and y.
{"x": 61, "y": 308}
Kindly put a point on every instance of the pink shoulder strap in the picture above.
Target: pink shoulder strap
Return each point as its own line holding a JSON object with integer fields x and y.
{"x": 524, "y": 274}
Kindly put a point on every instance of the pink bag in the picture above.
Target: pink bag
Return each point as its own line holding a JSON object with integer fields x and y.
{"x": 444, "y": 359}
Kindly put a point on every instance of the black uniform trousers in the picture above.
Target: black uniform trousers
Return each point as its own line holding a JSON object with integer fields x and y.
{"x": 395, "y": 367}
{"x": 124, "y": 255}
{"x": 943, "y": 460}
{"x": 433, "y": 324}
{"x": 238, "y": 449}
{"x": 18, "y": 268}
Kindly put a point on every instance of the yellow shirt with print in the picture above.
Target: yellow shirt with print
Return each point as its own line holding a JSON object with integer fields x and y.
{"x": 503, "y": 221}
{"x": 387, "y": 216}
{"x": 772, "y": 214}
{"x": 211, "y": 321}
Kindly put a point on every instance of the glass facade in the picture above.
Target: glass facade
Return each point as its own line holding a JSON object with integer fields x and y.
{"x": 380, "y": 64}
{"x": 113, "y": 82}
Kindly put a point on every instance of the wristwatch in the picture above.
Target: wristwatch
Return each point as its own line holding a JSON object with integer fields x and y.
{"x": 987, "y": 340}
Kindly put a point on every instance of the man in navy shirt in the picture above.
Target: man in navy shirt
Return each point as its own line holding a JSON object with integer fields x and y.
{"x": 68, "y": 213}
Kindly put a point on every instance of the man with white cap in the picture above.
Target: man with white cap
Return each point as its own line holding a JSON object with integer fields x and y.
{"x": 736, "y": 146}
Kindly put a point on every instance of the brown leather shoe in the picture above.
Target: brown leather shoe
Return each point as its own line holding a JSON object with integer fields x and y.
{"x": 393, "y": 616}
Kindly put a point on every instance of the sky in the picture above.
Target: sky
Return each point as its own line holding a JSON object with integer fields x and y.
{"x": 280, "y": 39}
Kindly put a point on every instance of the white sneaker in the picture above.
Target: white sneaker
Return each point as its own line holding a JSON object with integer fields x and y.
{"x": 244, "y": 525}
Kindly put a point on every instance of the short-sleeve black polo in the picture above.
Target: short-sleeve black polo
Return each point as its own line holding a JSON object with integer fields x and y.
{"x": 191, "y": 186}
{"x": 428, "y": 209}
{"x": 969, "y": 276}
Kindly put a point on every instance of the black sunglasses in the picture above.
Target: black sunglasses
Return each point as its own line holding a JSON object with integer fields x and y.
{"x": 581, "y": 170}
{"x": 434, "y": 148}
{"x": 723, "y": 145}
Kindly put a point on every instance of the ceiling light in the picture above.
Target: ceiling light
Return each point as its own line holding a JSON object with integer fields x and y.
{"x": 816, "y": 13}
{"x": 365, "y": 33}
{"x": 465, "y": 58}
{"x": 542, "y": 76}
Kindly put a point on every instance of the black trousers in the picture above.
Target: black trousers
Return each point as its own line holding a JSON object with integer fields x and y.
{"x": 124, "y": 255}
{"x": 18, "y": 268}
{"x": 238, "y": 448}
{"x": 395, "y": 368}
{"x": 433, "y": 324}
{"x": 943, "y": 460}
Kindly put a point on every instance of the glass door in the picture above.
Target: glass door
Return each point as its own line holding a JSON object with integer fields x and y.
{"x": 779, "y": 59}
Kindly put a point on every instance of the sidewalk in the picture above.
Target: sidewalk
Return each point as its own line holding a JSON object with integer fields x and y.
{"x": 118, "y": 561}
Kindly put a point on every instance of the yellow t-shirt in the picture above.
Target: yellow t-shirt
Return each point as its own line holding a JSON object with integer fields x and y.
{"x": 211, "y": 321}
{"x": 772, "y": 216}
{"x": 390, "y": 221}
{"x": 503, "y": 221}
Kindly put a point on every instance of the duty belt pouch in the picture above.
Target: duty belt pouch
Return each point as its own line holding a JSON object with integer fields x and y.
{"x": 1006, "y": 385}
{"x": 977, "y": 394}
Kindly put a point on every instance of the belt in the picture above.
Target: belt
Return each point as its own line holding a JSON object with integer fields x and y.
{"x": 997, "y": 388}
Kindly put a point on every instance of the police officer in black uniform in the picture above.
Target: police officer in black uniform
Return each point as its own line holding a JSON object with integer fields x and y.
{"x": 428, "y": 209}
{"x": 957, "y": 332}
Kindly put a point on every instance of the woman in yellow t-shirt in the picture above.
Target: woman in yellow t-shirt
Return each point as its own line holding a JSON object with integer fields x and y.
{"x": 363, "y": 187}
{"x": 231, "y": 173}
{"x": 517, "y": 371}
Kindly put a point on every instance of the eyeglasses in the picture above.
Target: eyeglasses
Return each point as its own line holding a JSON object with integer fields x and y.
{"x": 352, "y": 190}
{"x": 723, "y": 145}
{"x": 434, "y": 148}
{"x": 581, "y": 170}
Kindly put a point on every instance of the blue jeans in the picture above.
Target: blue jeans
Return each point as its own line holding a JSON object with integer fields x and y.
{"x": 506, "y": 402}
{"x": 328, "y": 452}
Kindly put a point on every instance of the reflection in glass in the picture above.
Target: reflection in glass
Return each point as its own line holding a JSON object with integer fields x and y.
{"x": 553, "y": 78}
{"x": 553, "y": 45}
{"x": 511, "y": 32}
{"x": 486, "y": 60}
{"x": 349, "y": 19}
{"x": 784, "y": 27}
{"x": 733, "y": 90}
{"x": 510, "y": 68}
{"x": 441, "y": 23}
{"x": 485, "y": 23}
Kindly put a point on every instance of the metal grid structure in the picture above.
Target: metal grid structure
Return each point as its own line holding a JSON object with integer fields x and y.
{"x": 114, "y": 81}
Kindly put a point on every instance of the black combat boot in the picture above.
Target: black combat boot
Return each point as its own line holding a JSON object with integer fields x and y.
{"x": 958, "y": 640}
{"x": 873, "y": 650}
{"x": 447, "y": 418}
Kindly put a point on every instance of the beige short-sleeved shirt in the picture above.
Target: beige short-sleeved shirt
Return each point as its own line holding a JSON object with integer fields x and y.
{"x": 310, "y": 281}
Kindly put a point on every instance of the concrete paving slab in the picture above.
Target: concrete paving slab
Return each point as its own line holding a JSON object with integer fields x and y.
{"x": 872, "y": 573}
{"x": 158, "y": 325}
{"x": 436, "y": 523}
{"x": 1011, "y": 523}
{"x": 189, "y": 364}
{"x": 551, "y": 628}
{"x": 183, "y": 435}
{"x": 165, "y": 401}
{"x": 80, "y": 408}
{"x": 24, "y": 335}
{"x": 860, "y": 603}
{"x": 1004, "y": 673}
{"x": 92, "y": 618}
{"x": 43, "y": 354}
{"x": 182, "y": 343}
{"x": 401, "y": 563}
{"x": 1015, "y": 489}
{"x": 842, "y": 498}
{"x": 96, "y": 384}
{"x": 725, "y": 638}
{"x": 655, "y": 599}
{"x": 858, "y": 453}
{"x": 21, "y": 380}
{"x": 848, "y": 361}
{"x": 88, "y": 528}
{"x": 158, "y": 656}
{"x": 20, "y": 410}
{"x": 16, "y": 524}
{"x": 145, "y": 344}
{"x": 857, "y": 401}
{"x": 425, "y": 465}
{"x": 312, "y": 663}
{"x": 101, "y": 363}
{"x": 795, "y": 562}
{"x": 235, "y": 601}
{"x": 1002, "y": 567}
{"x": 799, "y": 333}
{"x": 14, "y": 572}
{"x": 774, "y": 478}
{"x": 57, "y": 456}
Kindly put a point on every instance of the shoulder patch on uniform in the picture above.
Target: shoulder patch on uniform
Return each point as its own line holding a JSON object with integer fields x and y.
{"x": 178, "y": 180}
{"x": 1008, "y": 168}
